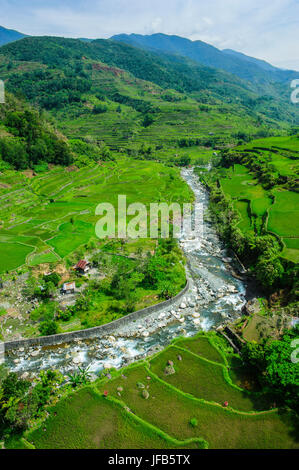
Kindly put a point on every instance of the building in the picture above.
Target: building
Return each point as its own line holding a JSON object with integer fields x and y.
{"x": 69, "y": 288}
{"x": 82, "y": 266}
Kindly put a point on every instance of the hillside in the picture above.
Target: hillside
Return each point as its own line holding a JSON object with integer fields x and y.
{"x": 9, "y": 35}
{"x": 245, "y": 67}
{"x": 126, "y": 97}
{"x": 27, "y": 139}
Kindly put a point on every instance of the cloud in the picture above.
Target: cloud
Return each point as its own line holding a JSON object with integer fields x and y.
{"x": 267, "y": 29}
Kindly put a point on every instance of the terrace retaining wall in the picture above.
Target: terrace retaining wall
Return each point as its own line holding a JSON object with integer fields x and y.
{"x": 92, "y": 332}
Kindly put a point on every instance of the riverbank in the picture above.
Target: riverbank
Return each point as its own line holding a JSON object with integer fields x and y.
{"x": 214, "y": 298}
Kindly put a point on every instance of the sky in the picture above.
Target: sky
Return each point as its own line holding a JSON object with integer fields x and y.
{"x": 266, "y": 29}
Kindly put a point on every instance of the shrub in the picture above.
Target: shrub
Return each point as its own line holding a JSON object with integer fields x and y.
{"x": 48, "y": 328}
{"x": 194, "y": 422}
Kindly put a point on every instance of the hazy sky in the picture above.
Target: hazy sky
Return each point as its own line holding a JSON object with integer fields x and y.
{"x": 267, "y": 29}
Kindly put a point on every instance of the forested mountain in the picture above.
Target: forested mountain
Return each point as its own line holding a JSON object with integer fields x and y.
{"x": 119, "y": 93}
{"x": 245, "y": 67}
{"x": 9, "y": 35}
{"x": 26, "y": 138}
{"x": 260, "y": 63}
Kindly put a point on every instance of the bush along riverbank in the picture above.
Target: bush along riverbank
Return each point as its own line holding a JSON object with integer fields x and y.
{"x": 260, "y": 251}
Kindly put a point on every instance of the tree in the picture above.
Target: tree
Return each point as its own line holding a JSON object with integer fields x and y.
{"x": 269, "y": 271}
{"x": 99, "y": 109}
{"x": 148, "y": 120}
{"x": 48, "y": 328}
{"x": 185, "y": 160}
{"x": 276, "y": 370}
{"x": 54, "y": 278}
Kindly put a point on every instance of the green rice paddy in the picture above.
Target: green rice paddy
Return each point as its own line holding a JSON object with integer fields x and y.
{"x": 149, "y": 409}
{"x": 54, "y": 213}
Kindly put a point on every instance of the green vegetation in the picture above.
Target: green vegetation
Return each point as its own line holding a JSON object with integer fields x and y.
{"x": 89, "y": 421}
{"x": 104, "y": 119}
{"x": 26, "y": 140}
{"x": 256, "y": 208}
{"x": 136, "y": 407}
{"x": 108, "y": 91}
{"x": 277, "y": 372}
{"x": 53, "y": 214}
{"x": 48, "y": 225}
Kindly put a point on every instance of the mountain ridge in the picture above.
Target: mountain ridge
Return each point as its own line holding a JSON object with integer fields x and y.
{"x": 9, "y": 35}
{"x": 245, "y": 67}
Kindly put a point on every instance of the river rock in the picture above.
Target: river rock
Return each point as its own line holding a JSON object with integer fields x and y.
{"x": 34, "y": 353}
{"x": 77, "y": 360}
{"x": 183, "y": 305}
{"x": 169, "y": 370}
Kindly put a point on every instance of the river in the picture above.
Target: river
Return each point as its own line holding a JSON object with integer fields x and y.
{"x": 214, "y": 297}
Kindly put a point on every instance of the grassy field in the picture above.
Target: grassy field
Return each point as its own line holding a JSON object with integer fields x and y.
{"x": 89, "y": 421}
{"x": 13, "y": 255}
{"x": 145, "y": 410}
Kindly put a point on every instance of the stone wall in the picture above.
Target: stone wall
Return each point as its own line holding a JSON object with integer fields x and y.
{"x": 93, "y": 332}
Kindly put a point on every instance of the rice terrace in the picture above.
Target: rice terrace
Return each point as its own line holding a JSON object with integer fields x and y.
{"x": 182, "y": 340}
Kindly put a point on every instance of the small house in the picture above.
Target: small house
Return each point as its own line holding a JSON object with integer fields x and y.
{"x": 68, "y": 288}
{"x": 82, "y": 266}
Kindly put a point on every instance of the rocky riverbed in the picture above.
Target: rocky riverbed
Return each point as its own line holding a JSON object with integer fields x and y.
{"x": 214, "y": 298}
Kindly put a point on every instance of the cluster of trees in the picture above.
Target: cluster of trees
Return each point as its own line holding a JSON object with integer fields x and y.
{"x": 139, "y": 105}
{"x": 172, "y": 97}
{"x": 31, "y": 141}
{"x": 49, "y": 89}
{"x": 44, "y": 290}
{"x": 22, "y": 401}
{"x": 100, "y": 109}
{"x": 89, "y": 151}
{"x": 277, "y": 372}
{"x": 210, "y": 141}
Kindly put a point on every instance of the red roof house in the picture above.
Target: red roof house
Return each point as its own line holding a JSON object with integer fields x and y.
{"x": 82, "y": 266}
